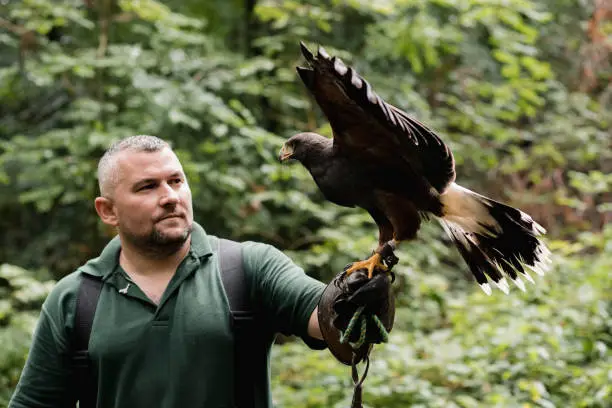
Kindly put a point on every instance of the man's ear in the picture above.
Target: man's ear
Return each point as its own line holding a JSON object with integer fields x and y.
{"x": 106, "y": 210}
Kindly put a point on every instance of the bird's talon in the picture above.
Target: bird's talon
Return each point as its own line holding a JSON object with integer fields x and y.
{"x": 371, "y": 264}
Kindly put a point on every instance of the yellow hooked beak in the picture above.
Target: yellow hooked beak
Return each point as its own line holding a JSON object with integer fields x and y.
{"x": 285, "y": 153}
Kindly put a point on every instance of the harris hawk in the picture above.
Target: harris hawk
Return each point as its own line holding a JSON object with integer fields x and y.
{"x": 401, "y": 172}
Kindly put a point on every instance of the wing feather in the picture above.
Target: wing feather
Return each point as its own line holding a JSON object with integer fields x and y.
{"x": 370, "y": 128}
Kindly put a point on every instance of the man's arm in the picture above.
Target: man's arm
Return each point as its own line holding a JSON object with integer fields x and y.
{"x": 44, "y": 381}
{"x": 286, "y": 293}
{"x": 313, "y": 325}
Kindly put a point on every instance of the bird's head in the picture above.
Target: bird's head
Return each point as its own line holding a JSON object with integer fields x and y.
{"x": 300, "y": 146}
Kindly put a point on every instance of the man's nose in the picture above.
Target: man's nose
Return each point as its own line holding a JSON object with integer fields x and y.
{"x": 170, "y": 195}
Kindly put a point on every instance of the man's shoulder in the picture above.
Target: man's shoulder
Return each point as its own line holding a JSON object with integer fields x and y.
{"x": 104, "y": 263}
{"x": 61, "y": 301}
{"x": 252, "y": 251}
{"x": 62, "y": 298}
{"x": 260, "y": 253}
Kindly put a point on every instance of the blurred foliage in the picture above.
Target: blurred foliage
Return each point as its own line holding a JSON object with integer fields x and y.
{"x": 21, "y": 295}
{"x": 520, "y": 89}
{"x": 548, "y": 347}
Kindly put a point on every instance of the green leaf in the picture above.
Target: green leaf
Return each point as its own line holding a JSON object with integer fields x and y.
{"x": 177, "y": 116}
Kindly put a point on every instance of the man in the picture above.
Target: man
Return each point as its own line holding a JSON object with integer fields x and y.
{"x": 161, "y": 336}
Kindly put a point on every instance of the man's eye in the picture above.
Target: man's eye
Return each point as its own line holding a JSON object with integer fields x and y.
{"x": 146, "y": 187}
{"x": 176, "y": 181}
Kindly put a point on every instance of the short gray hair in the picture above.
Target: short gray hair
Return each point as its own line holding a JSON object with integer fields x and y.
{"x": 107, "y": 168}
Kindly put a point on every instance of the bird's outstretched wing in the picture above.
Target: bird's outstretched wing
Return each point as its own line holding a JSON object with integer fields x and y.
{"x": 368, "y": 128}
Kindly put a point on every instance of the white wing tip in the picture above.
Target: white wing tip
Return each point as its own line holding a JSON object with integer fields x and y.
{"x": 355, "y": 80}
{"x": 543, "y": 260}
{"x": 520, "y": 284}
{"x": 486, "y": 288}
{"x": 502, "y": 284}
{"x": 323, "y": 53}
{"x": 340, "y": 67}
{"x": 528, "y": 277}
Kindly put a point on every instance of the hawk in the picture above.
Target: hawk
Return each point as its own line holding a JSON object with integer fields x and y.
{"x": 401, "y": 172}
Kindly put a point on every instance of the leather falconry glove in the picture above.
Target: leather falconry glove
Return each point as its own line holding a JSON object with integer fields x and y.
{"x": 356, "y": 312}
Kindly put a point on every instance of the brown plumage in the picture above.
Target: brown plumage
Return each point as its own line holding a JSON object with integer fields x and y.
{"x": 400, "y": 171}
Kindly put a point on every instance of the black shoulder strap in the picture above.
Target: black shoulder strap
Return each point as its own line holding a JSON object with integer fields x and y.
{"x": 84, "y": 380}
{"x": 243, "y": 327}
{"x": 232, "y": 274}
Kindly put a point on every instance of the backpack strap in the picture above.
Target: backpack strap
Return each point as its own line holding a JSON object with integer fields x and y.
{"x": 242, "y": 322}
{"x": 84, "y": 382}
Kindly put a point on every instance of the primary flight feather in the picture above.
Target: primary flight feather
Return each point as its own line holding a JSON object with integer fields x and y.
{"x": 400, "y": 171}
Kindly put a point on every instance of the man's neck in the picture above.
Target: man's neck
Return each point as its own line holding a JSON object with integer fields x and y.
{"x": 135, "y": 261}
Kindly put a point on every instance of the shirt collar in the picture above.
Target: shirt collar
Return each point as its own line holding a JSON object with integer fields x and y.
{"x": 108, "y": 260}
{"x": 200, "y": 244}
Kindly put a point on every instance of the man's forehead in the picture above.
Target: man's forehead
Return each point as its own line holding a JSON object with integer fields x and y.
{"x": 137, "y": 164}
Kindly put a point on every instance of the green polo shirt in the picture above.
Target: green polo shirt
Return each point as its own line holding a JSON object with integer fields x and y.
{"x": 177, "y": 354}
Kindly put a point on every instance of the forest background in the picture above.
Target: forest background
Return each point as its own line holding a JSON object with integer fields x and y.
{"x": 520, "y": 89}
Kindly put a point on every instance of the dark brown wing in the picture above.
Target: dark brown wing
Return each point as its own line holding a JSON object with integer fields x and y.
{"x": 368, "y": 128}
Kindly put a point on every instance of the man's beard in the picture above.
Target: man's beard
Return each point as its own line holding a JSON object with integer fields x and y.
{"x": 157, "y": 244}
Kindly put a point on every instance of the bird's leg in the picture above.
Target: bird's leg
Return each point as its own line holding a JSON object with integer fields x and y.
{"x": 383, "y": 259}
{"x": 387, "y": 254}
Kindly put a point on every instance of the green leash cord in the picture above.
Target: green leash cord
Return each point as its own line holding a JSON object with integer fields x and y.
{"x": 357, "y": 317}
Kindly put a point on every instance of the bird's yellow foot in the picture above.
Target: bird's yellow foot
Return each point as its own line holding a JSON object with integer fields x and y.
{"x": 372, "y": 263}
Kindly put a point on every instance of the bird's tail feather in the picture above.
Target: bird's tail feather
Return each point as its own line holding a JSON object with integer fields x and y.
{"x": 495, "y": 240}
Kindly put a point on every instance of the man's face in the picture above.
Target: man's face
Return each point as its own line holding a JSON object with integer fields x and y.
{"x": 152, "y": 200}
